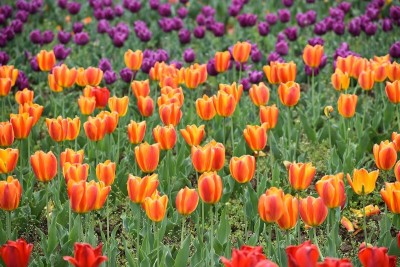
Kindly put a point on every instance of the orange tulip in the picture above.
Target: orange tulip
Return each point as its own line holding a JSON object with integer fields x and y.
{"x": 103, "y": 191}
{"x": 313, "y": 211}
{"x": 53, "y": 84}
{"x": 359, "y": 65}
{"x": 147, "y": 156}
{"x": 217, "y": 155}
{"x": 205, "y": 108}
{"x": 171, "y": 98}
{"x": 44, "y": 165}
{"x": 241, "y": 51}
{"x": 93, "y": 76}
{"x": 385, "y": 155}
{"x": 202, "y": 69}
{"x": 193, "y": 134}
{"x": 22, "y": 125}
{"x": 312, "y": 55}
{"x": 301, "y": 175}
{"x": 259, "y": 94}
{"x": 289, "y": 93}
{"x": 10, "y": 194}
{"x": 85, "y": 197}
{"x": 201, "y": 158}
{"x": 8, "y": 71}
{"x": 210, "y": 187}
{"x": 145, "y": 105}
{"x": 105, "y": 172}
{"x": 393, "y": 71}
{"x": 382, "y": 59}
{"x": 390, "y": 195}
{"x": 256, "y": 137}
{"x": 270, "y": 205}
{"x": 222, "y": 60}
{"x": 340, "y": 81}
{"x": 110, "y": 120}
{"x": 397, "y": 171}
{"x": 8, "y": 160}
{"x": 347, "y": 105}
{"x": 95, "y": 128}
{"x": 269, "y": 116}
{"x": 290, "y": 213}
{"x": 170, "y": 114}
{"x": 75, "y": 172}
{"x": 87, "y": 104}
{"x": 287, "y": 72}
{"x": 6, "y": 134}
{"x": 5, "y": 86}
{"x": 363, "y": 181}
{"x": 136, "y": 131}
{"x": 393, "y": 91}
{"x": 119, "y": 105}
{"x": 46, "y": 60}
{"x": 34, "y": 111}
{"x": 271, "y": 72}
{"x": 71, "y": 156}
{"x": 140, "y": 88}
{"x": 165, "y": 90}
{"x": 165, "y": 136}
{"x": 186, "y": 201}
{"x": 331, "y": 189}
{"x": 395, "y": 140}
{"x": 63, "y": 129}
{"x": 232, "y": 89}
{"x": 380, "y": 71}
{"x": 24, "y": 96}
{"x": 346, "y": 223}
{"x": 80, "y": 77}
{"x": 133, "y": 60}
{"x": 366, "y": 79}
{"x": 156, "y": 208}
{"x": 225, "y": 104}
{"x": 101, "y": 94}
{"x": 64, "y": 76}
{"x": 242, "y": 169}
{"x": 141, "y": 188}
{"x": 192, "y": 78}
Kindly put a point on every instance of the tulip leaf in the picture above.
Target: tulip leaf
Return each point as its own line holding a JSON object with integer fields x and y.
{"x": 52, "y": 241}
{"x": 224, "y": 228}
{"x": 306, "y": 126}
{"x": 76, "y": 229}
{"x": 183, "y": 253}
{"x": 128, "y": 255}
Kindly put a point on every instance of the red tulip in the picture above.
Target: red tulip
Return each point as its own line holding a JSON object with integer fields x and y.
{"x": 86, "y": 256}
{"x": 16, "y": 253}
{"x": 303, "y": 255}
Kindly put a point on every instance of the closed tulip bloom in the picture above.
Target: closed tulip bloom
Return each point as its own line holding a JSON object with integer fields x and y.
{"x": 201, "y": 68}
{"x": 140, "y": 88}
{"x": 87, "y": 104}
{"x": 305, "y": 254}
{"x": 256, "y": 137}
{"x": 8, "y": 71}
{"x": 156, "y": 208}
{"x": 141, "y": 188}
{"x": 269, "y": 116}
{"x": 340, "y": 81}
{"x": 331, "y": 189}
{"x": 366, "y": 79}
{"x": 93, "y": 76}
{"x": 171, "y": 98}
{"x": 186, "y": 201}
{"x": 133, "y": 60}
{"x": 110, "y": 120}
{"x": 71, "y": 156}
{"x": 192, "y": 78}
{"x": 313, "y": 211}
{"x": 397, "y": 171}
{"x": 290, "y": 214}
{"x": 217, "y": 155}
{"x": 222, "y": 60}
{"x": 22, "y": 125}
{"x": 301, "y": 175}
{"x": 147, "y": 156}
{"x": 61, "y": 129}
{"x": 145, "y": 105}
{"x": 205, "y": 108}
{"x": 64, "y": 76}
{"x": 170, "y": 114}
{"x": 46, "y": 60}
{"x": 75, "y": 171}
{"x": 395, "y": 140}
{"x": 374, "y": 256}
{"x": 10, "y": 194}
{"x": 247, "y": 256}
{"x": 24, "y": 96}
{"x": 271, "y": 72}
{"x": 287, "y": 72}
{"x": 359, "y": 65}
{"x": 270, "y": 205}
{"x": 225, "y": 104}
{"x": 210, "y": 187}
{"x": 103, "y": 191}
{"x": 136, "y": 131}
{"x": 201, "y": 158}
{"x": 232, "y": 89}
{"x": 82, "y": 195}
{"x": 385, "y": 155}
{"x": 119, "y": 105}
{"x": 312, "y": 55}
{"x": 95, "y": 128}
{"x": 100, "y": 94}
{"x": 347, "y": 105}
{"x": 8, "y": 159}
{"x": 363, "y": 181}
{"x": 6, "y": 134}
{"x": 5, "y": 86}
{"x": 80, "y": 77}
{"x": 105, "y": 172}
{"x": 16, "y": 253}
{"x": 165, "y": 136}
{"x": 86, "y": 255}
{"x": 241, "y": 51}
{"x": 393, "y": 71}
{"x": 259, "y": 94}
{"x": 391, "y": 196}
{"x": 34, "y": 110}
{"x": 193, "y": 134}
{"x": 393, "y": 91}
{"x": 44, "y": 165}
{"x": 380, "y": 71}
{"x": 242, "y": 169}
{"x": 289, "y": 93}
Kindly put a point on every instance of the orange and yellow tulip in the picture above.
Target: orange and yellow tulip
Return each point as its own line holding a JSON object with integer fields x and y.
{"x": 6, "y": 134}
{"x": 359, "y": 65}
{"x": 331, "y": 189}
{"x": 75, "y": 172}
{"x": 340, "y": 81}
{"x": 8, "y": 71}
{"x": 241, "y": 51}
{"x": 393, "y": 71}
{"x": 217, "y": 155}
{"x": 87, "y": 104}
{"x": 171, "y": 98}
{"x": 119, "y": 105}
{"x": 385, "y": 155}
{"x": 64, "y": 76}
{"x": 8, "y": 160}
{"x": 71, "y": 156}
{"x": 287, "y": 72}
{"x": 271, "y": 72}
{"x": 242, "y": 169}
{"x": 259, "y": 94}
{"x": 141, "y": 188}
{"x": 34, "y": 111}
{"x": 210, "y": 187}
{"x": 85, "y": 197}
{"x": 205, "y": 108}
{"x": 170, "y": 114}
{"x": 366, "y": 79}
{"x": 256, "y": 137}
{"x": 5, "y": 86}
{"x": 313, "y": 211}
{"x": 380, "y": 71}
{"x": 397, "y": 171}
{"x": 192, "y": 77}
{"x": 103, "y": 191}
{"x": 186, "y": 201}
{"x": 136, "y": 131}
{"x": 22, "y": 125}
{"x": 24, "y": 96}
{"x": 270, "y": 205}
{"x": 225, "y": 104}
{"x": 312, "y": 55}
{"x": 289, "y": 93}
{"x": 269, "y": 116}
{"x": 363, "y": 181}
{"x": 370, "y": 210}
{"x": 165, "y": 136}
{"x": 133, "y": 60}
{"x": 232, "y": 89}
{"x": 145, "y": 105}
{"x": 393, "y": 91}
{"x": 290, "y": 214}
{"x": 156, "y": 208}
{"x": 193, "y": 134}
{"x": 63, "y": 129}
{"x": 10, "y": 194}
{"x": 391, "y": 196}
{"x": 301, "y": 175}
{"x": 147, "y": 156}
{"x": 110, "y": 120}
{"x": 347, "y": 105}
{"x": 395, "y": 140}
{"x": 44, "y": 165}
{"x": 101, "y": 94}
{"x": 201, "y": 158}
{"x": 46, "y": 60}
{"x": 222, "y": 60}
{"x": 140, "y": 88}
{"x": 105, "y": 172}
{"x": 93, "y": 76}
{"x": 80, "y": 77}
{"x": 346, "y": 223}
{"x": 95, "y": 128}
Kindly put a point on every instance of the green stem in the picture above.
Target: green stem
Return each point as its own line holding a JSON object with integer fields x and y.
{"x": 289, "y": 127}
{"x": 223, "y": 131}
{"x": 398, "y": 115}
{"x": 8, "y": 215}
{"x": 108, "y": 228}
{"x": 69, "y": 217}
{"x": 364, "y": 220}
{"x": 313, "y": 94}
{"x": 232, "y": 137}
{"x": 298, "y": 230}
{"x": 316, "y": 243}
{"x": 182, "y": 230}
{"x": 202, "y": 222}
{"x": 240, "y": 73}
{"x": 212, "y": 236}
{"x": 244, "y": 213}
{"x": 47, "y": 207}
{"x": 3, "y": 107}
{"x": 157, "y": 233}
{"x": 118, "y": 137}
{"x": 270, "y": 241}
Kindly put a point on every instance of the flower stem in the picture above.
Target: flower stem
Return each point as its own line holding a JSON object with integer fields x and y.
{"x": 313, "y": 93}
{"x": 182, "y": 230}
{"x": 316, "y": 243}
{"x": 244, "y": 214}
{"x": 233, "y": 142}
{"x": 365, "y": 221}
{"x": 108, "y": 228}
{"x": 212, "y": 236}
{"x": 47, "y": 207}
{"x": 8, "y": 215}
{"x": 157, "y": 233}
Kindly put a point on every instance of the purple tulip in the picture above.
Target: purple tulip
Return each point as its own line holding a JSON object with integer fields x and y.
{"x": 119, "y": 39}
{"x": 256, "y": 55}
{"x": 35, "y": 37}
{"x": 271, "y": 18}
{"x": 118, "y": 10}
{"x": 73, "y": 8}
{"x": 107, "y": 2}
{"x": 6, "y": 10}
{"x": 208, "y": 11}
{"x": 108, "y": 13}
{"x": 287, "y": 3}
{"x": 17, "y": 26}
{"x": 245, "y": 82}
{"x": 182, "y": 12}
{"x": 4, "y": 58}
{"x": 103, "y": 26}
{"x": 345, "y": 7}
{"x": 3, "y": 40}
{"x": 22, "y": 80}
{"x": 218, "y": 29}
{"x": 320, "y": 28}
{"x": 165, "y": 10}
{"x": 370, "y": 29}
{"x": 47, "y": 36}
{"x": 177, "y": 64}
{"x": 247, "y": 20}
{"x": 199, "y": 32}
{"x": 34, "y": 64}
{"x": 110, "y": 77}
{"x": 154, "y": 4}
{"x": 105, "y": 64}
{"x": 62, "y": 4}
{"x": 394, "y": 50}
{"x": 255, "y": 76}
{"x": 177, "y": 23}
{"x": 387, "y": 25}
{"x": 81, "y": 38}
{"x": 161, "y": 55}
{"x": 316, "y": 41}
{"x": 189, "y": 55}
{"x": 291, "y": 33}
{"x": 339, "y": 28}
{"x": 22, "y": 16}
{"x": 61, "y": 52}
{"x": 372, "y": 13}
{"x": 234, "y": 10}
{"x": 355, "y": 27}
{"x": 282, "y": 48}
{"x": 77, "y": 27}
{"x": 211, "y": 68}
{"x": 284, "y": 15}
{"x": 126, "y": 75}
{"x": 263, "y": 28}
{"x": 8, "y": 33}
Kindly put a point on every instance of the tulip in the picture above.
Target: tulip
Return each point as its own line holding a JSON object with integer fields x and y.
{"x": 193, "y": 134}
{"x": 170, "y": 98}
{"x": 242, "y": 169}
{"x": 363, "y": 181}
{"x": 34, "y": 111}
{"x": 289, "y": 93}
{"x": 110, "y": 120}
{"x": 340, "y": 81}
{"x": 147, "y": 156}
{"x": 170, "y": 114}
{"x": 71, "y": 156}
{"x": 370, "y": 210}
{"x": 102, "y": 194}
{"x": 286, "y": 72}
{"x": 22, "y": 125}
{"x": 301, "y": 175}
{"x": 105, "y": 172}
{"x": 201, "y": 158}
{"x": 64, "y": 76}
{"x": 101, "y": 95}
{"x": 75, "y": 171}
{"x": 397, "y": 171}
{"x": 205, "y": 108}
{"x": 8, "y": 160}
{"x": 217, "y": 155}
{"x": 331, "y": 189}
{"x": 210, "y": 187}
{"x": 156, "y": 208}
{"x": 80, "y": 77}
{"x": 312, "y": 55}
{"x": 290, "y": 213}
{"x": 92, "y": 76}
{"x": 192, "y": 78}
{"x": 374, "y": 256}
{"x": 44, "y": 165}
{"x": 391, "y": 196}
{"x": 385, "y": 155}
{"x": 347, "y": 105}
{"x": 359, "y": 65}
{"x": 259, "y": 94}
{"x": 347, "y": 224}
{"x": 136, "y": 132}
{"x": 305, "y": 254}
{"x": 270, "y": 205}
{"x": 145, "y": 105}
{"x": 224, "y": 104}
{"x": 232, "y": 89}
{"x": 95, "y": 128}
{"x": 247, "y": 256}
{"x": 380, "y": 71}
{"x": 141, "y": 188}
{"x": 46, "y": 60}
{"x": 87, "y": 104}
{"x": 241, "y": 51}
{"x": 165, "y": 136}
{"x": 63, "y": 129}
{"x": 6, "y": 134}
{"x": 313, "y": 211}
{"x": 269, "y": 116}
{"x": 83, "y": 196}
{"x": 133, "y": 60}
{"x": 222, "y": 60}
{"x": 140, "y": 88}
{"x": 393, "y": 71}
{"x": 8, "y": 71}
{"x": 393, "y": 91}
{"x": 256, "y": 137}
{"x": 366, "y": 79}
{"x": 10, "y": 194}
{"x": 86, "y": 255}
{"x": 119, "y": 105}
{"x": 16, "y": 253}
{"x": 271, "y": 72}
{"x": 24, "y": 96}
{"x": 186, "y": 201}
{"x": 5, "y": 86}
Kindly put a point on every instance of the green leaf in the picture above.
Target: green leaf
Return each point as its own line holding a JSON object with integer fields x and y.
{"x": 183, "y": 254}
{"x": 52, "y": 240}
{"x": 306, "y": 126}
{"x": 224, "y": 228}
